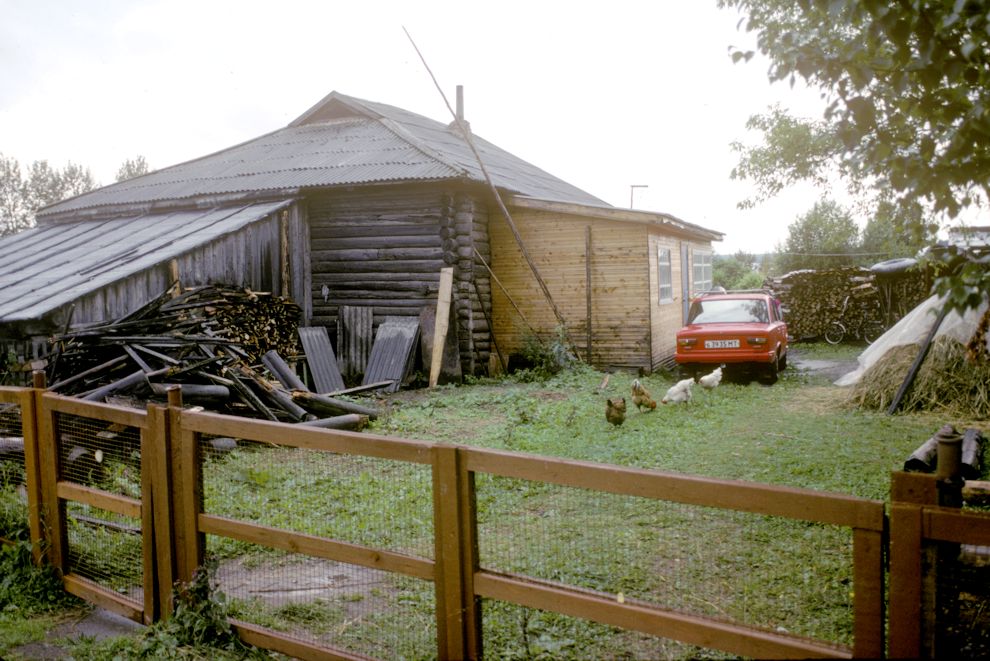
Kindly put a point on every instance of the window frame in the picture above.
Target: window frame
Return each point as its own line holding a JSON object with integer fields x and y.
{"x": 705, "y": 267}
{"x": 665, "y": 268}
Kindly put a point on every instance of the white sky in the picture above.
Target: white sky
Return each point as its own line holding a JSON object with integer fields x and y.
{"x": 601, "y": 94}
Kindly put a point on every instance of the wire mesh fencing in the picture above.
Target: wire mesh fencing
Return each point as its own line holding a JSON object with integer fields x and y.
{"x": 13, "y": 477}
{"x": 761, "y": 571}
{"x": 370, "y": 502}
{"x": 105, "y": 547}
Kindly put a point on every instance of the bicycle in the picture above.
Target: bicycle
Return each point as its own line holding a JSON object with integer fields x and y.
{"x": 863, "y": 327}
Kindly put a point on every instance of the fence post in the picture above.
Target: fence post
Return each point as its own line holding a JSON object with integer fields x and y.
{"x": 456, "y": 551}
{"x": 187, "y": 492}
{"x": 155, "y": 465}
{"x": 911, "y": 628}
{"x": 30, "y": 408}
{"x": 52, "y": 507}
{"x": 868, "y": 600}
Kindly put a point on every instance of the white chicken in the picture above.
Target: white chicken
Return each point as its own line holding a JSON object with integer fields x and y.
{"x": 710, "y": 381}
{"x": 679, "y": 392}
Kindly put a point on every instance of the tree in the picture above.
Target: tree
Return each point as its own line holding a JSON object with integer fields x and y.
{"x": 888, "y": 233}
{"x": 736, "y": 271}
{"x": 824, "y": 237}
{"x": 21, "y": 197}
{"x": 908, "y": 91}
{"x": 15, "y": 214}
{"x": 132, "y": 168}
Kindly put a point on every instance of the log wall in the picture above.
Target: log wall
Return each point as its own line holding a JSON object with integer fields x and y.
{"x": 384, "y": 248}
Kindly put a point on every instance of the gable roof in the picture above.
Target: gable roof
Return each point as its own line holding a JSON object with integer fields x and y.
{"x": 340, "y": 141}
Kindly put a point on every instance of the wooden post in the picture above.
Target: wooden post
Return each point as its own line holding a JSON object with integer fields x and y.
{"x": 284, "y": 256}
{"x": 455, "y": 530}
{"x": 442, "y": 321}
{"x": 53, "y": 508}
{"x": 159, "y": 456}
{"x": 150, "y": 583}
{"x": 173, "y": 272}
{"x": 186, "y": 492}
{"x": 587, "y": 287}
{"x": 911, "y": 628}
{"x": 30, "y": 411}
{"x": 868, "y": 600}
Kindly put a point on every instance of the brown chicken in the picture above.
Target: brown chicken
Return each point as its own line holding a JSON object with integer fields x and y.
{"x": 615, "y": 410}
{"x": 641, "y": 397}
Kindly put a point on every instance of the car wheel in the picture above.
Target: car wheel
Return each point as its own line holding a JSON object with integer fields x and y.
{"x": 835, "y": 332}
{"x": 783, "y": 362}
{"x": 771, "y": 372}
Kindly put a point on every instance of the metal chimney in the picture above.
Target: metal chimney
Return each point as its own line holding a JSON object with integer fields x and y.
{"x": 459, "y": 113}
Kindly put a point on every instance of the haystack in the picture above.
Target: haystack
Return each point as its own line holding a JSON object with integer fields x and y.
{"x": 952, "y": 378}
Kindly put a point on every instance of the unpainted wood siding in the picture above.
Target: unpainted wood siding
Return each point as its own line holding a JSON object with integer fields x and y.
{"x": 383, "y": 247}
{"x": 667, "y": 316}
{"x": 620, "y": 291}
{"x": 250, "y": 257}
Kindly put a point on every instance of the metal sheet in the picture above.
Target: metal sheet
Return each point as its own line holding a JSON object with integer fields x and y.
{"x": 392, "y": 354}
{"x": 367, "y": 143}
{"x": 321, "y": 359}
{"x": 49, "y": 266}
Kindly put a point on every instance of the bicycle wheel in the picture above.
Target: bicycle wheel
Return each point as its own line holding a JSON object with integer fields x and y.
{"x": 872, "y": 330}
{"x": 835, "y": 332}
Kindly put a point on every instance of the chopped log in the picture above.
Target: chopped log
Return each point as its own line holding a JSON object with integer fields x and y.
{"x": 281, "y": 371}
{"x": 193, "y": 390}
{"x": 280, "y": 398}
{"x": 322, "y": 404}
{"x": 351, "y": 421}
{"x": 922, "y": 460}
{"x": 976, "y": 492}
{"x": 129, "y": 381}
{"x": 972, "y": 454}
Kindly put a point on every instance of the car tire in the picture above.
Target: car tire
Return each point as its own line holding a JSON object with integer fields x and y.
{"x": 835, "y": 332}
{"x": 772, "y": 372}
{"x": 782, "y": 362}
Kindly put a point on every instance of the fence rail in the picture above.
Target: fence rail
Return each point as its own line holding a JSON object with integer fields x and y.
{"x": 173, "y": 526}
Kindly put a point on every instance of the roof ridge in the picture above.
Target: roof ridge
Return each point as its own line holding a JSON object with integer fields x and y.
{"x": 402, "y": 132}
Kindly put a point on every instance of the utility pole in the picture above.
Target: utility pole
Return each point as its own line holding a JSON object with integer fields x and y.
{"x": 632, "y": 189}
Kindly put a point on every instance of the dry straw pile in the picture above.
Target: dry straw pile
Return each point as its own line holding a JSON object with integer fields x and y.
{"x": 949, "y": 380}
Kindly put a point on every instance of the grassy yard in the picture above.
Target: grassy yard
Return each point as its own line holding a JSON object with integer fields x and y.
{"x": 763, "y": 571}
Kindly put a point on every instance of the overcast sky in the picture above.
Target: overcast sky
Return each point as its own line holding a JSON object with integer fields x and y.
{"x": 604, "y": 95}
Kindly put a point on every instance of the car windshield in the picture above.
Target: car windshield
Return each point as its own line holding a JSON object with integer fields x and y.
{"x": 738, "y": 310}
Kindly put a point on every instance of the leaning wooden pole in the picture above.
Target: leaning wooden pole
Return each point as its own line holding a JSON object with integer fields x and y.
{"x": 494, "y": 190}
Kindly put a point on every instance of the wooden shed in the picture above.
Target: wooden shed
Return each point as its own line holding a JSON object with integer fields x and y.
{"x": 621, "y": 280}
{"x": 356, "y": 206}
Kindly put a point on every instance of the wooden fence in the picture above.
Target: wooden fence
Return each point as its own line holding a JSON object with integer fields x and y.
{"x": 174, "y": 525}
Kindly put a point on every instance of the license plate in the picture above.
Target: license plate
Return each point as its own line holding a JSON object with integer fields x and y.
{"x": 721, "y": 344}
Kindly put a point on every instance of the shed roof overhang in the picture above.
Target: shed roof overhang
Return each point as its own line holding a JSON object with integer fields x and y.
{"x": 666, "y": 222}
{"x": 46, "y": 267}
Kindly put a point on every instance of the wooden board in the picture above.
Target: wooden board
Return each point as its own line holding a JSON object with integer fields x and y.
{"x": 440, "y": 324}
{"x": 321, "y": 359}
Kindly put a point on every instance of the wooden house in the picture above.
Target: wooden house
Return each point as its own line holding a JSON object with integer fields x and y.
{"x": 357, "y": 206}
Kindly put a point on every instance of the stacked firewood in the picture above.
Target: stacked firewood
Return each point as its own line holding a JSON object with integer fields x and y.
{"x": 213, "y": 341}
{"x": 813, "y": 299}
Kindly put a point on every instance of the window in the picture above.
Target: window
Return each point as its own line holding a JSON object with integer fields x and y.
{"x": 665, "y": 278}
{"x": 701, "y": 271}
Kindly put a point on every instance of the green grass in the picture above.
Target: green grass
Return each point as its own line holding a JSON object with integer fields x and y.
{"x": 764, "y": 571}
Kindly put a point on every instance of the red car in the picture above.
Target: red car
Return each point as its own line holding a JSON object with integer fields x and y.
{"x": 742, "y": 331}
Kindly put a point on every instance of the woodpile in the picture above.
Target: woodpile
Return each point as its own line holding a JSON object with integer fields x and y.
{"x": 212, "y": 341}
{"x": 813, "y": 299}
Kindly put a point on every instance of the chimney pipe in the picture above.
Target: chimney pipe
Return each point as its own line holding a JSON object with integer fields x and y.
{"x": 460, "y": 102}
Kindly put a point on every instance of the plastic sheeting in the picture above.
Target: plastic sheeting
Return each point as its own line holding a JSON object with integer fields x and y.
{"x": 913, "y": 328}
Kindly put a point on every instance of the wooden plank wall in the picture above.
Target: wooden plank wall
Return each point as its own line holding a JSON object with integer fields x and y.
{"x": 665, "y": 318}
{"x": 247, "y": 258}
{"x": 384, "y": 247}
{"x": 620, "y": 285}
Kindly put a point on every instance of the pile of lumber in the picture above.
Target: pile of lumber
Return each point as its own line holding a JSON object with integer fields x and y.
{"x": 213, "y": 341}
{"x": 813, "y": 299}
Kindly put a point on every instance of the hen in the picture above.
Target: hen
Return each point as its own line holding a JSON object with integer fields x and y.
{"x": 679, "y": 392}
{"x": 615, "y": 410}
{"x": 710, "y": 381}
{"x": 641, "y": 396}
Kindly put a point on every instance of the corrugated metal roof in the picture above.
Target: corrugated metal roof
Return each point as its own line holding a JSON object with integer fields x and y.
{"x": 362, "y": 143}
{"x": 51, "y": 265}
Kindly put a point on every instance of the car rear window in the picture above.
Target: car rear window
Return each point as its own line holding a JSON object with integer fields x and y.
{"x": 729, "y": 311}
